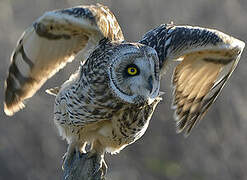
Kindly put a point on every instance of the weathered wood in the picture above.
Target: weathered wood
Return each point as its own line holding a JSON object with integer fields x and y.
{"x": 82, "y": 167}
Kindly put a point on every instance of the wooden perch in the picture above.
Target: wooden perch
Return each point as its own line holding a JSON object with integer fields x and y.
{"x": 83, "y": 167}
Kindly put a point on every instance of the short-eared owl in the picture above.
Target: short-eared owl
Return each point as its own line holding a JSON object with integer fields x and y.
{"x": 109, "y": 101}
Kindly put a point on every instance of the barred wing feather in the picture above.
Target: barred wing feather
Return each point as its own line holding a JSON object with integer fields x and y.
{"x": 208, "y": 58}
{"x": 52, "y": 41}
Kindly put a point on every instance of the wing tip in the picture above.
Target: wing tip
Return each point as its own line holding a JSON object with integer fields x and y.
{"x": 12, "y": 102}
{"x": 186, "y": 130}
{"x": 11, "y": 109}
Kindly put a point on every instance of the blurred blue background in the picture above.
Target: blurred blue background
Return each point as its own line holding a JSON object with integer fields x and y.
{"x": 30, "y": 148}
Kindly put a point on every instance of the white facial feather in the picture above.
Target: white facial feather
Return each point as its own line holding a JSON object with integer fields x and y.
{"x": 128, "y": 88}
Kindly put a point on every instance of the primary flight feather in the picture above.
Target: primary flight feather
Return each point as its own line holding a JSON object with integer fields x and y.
{"x": 109, "y": 101}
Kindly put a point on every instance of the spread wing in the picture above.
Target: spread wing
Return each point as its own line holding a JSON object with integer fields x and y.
{"x": 208, "y": 58}
{"x": 53, "y": 40}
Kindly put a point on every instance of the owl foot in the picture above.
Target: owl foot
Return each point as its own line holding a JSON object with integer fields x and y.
{"x": 67, "y": 159}
{"x": 69, "y": 155}
{"x": 100, "y": 164}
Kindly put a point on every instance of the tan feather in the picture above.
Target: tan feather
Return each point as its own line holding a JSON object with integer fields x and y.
{"x": 208, "y": 57}
{"x": 52, "y": 41}
{"x": 195, "y": 86}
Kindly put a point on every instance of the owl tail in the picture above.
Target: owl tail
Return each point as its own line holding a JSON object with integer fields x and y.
{"x": 53, "y": 91}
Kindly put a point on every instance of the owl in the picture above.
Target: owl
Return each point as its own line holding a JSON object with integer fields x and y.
{"x": 109, "y": 100}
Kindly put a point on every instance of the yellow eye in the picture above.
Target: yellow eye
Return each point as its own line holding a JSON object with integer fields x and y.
{"x": 132, "y": 71}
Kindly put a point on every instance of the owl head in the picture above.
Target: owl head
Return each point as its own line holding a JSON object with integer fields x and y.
{"x": 134, "y": 73}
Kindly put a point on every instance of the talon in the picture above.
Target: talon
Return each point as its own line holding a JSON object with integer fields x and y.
{"x": 67, "y": 159}
{"x": 100, "y": 166}
{"x": 104, "y": 167}
{"x": 100, "y": 162}
{"x": 97, "y": 168}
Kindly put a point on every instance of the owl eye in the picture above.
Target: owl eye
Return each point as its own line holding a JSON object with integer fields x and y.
{"x": 132, "y": 70}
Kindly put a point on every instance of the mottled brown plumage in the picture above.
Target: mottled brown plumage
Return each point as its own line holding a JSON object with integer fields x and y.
{"x": 109, "y": 101}
{"x": 52, "y": 41}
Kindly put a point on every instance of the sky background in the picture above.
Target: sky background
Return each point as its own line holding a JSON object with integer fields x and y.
{"x": 30, "y": 148}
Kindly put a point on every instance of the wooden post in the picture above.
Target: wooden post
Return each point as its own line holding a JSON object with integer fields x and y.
{"x": 82, "y": 167}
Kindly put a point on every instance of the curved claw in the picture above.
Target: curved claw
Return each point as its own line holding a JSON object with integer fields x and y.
{"x": 67, "y": 159}
{"x": 100, "y": 164}
{"x": 104, "y": 167}
{"x": 68, "y": 156}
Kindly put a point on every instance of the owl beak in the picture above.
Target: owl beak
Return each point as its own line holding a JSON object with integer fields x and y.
{"x": 150, "y": 84}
